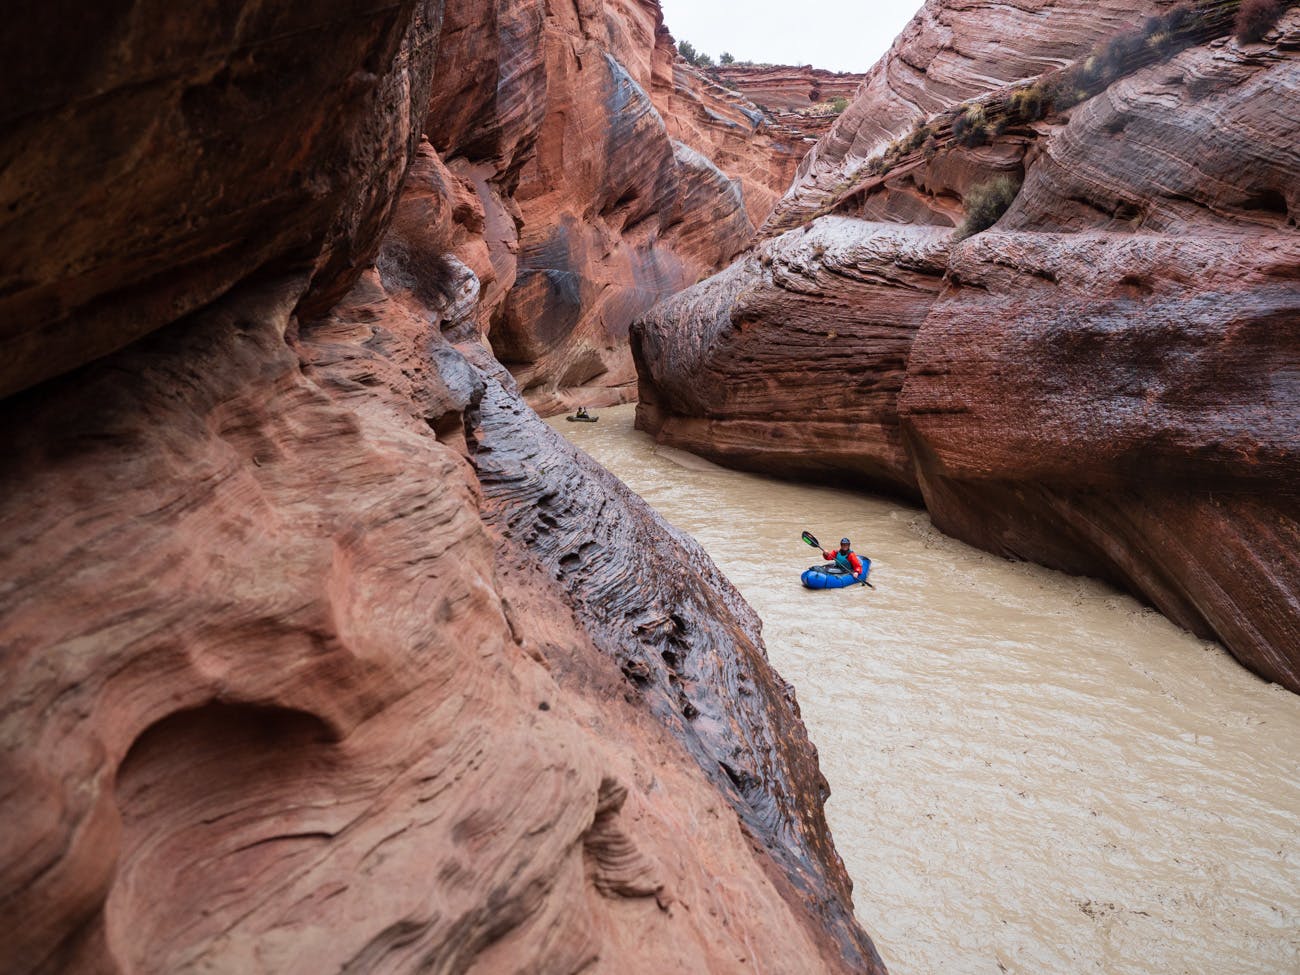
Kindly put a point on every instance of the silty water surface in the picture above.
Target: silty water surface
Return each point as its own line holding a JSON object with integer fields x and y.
{"x": 1030, "y": 772}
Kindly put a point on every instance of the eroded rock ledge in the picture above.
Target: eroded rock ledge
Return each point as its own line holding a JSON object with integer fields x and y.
{"x": 1103, "y": 383}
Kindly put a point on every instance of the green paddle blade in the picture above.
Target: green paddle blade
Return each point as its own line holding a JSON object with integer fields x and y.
{"x": 811, "y": 539}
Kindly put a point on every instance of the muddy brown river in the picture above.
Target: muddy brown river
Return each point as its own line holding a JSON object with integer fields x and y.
{"x": 1031, "y": 772}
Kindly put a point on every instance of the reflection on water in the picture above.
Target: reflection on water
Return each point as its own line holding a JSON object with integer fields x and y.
{"x": 1031, "y": 773}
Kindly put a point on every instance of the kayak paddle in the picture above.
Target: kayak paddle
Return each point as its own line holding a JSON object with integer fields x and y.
{"x": 811, "y": 539}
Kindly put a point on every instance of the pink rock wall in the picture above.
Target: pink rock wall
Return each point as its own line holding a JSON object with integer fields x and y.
{"x": 610, "y": 177}
{"x": 1103, "y": 382}
{"x": 309, "y": 661}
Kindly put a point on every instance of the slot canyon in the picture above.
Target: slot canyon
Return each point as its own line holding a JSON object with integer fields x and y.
{"x": 327, "y": 645}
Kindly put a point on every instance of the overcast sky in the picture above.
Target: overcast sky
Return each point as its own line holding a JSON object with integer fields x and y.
{"x": 842, "y": 35}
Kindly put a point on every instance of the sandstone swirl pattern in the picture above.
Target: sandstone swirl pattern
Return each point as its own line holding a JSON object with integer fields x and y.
{"x": 611, "y": 176}
{"x": 310, "y": 662}
{"x": 1105, "y": 382}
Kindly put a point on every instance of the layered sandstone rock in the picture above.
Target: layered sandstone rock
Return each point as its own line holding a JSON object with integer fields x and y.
{"x": 792, "y": 360}
{"x": 787, "y": 88}
{"x": 321, "y": 652}
{"x": 1073, "y": 402}
{"x": 949, "y": 53}
{"x": 610, "y": 176}
{"x": 218, "y": 145}
{"x": 741, "y": 139}
{"x": 280, "y": 700}
{"x": 797, "y": 100}
{"x": 1104, "y": 385}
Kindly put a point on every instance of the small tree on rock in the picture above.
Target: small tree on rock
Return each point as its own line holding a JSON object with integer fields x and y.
{"x": 1255, "y": 18}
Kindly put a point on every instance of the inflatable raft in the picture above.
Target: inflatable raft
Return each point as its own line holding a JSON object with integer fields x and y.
{"x": 582, "y": 419}
{"x": 831, "y": 576}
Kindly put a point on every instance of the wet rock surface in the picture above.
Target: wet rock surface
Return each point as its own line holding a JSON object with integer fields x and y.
{"x": 1094, "y": 416}
{"x": 688, "y": 646}
{"x": 791, "y": 362}
{"x": 610, "y": 174}
{"x": 950, "y": 53}
{"x": 209, "y": 144}
{"x": 1109, "y": 365}
{"x": 285, "y": 655}
{"x": 295, "y": 677}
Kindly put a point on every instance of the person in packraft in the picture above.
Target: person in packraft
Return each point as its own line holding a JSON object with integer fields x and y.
{"x": 845, "y": 558}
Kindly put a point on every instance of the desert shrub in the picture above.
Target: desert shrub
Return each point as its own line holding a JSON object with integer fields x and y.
{"x": 838, "y": 104}
{"x": 931, "y": 148}
{"x": 1118, "y": 52}
{"x": 1091, "y": 71}
{"x": 986, "y": 203}
{"x": 689, "y": 54}
{"x": 1178, "y": 18}
{"x": 726, "y": 58}
{"x": 971, "y": 127}
{"x": 1256, "y": 18}
{"x": 1028, "y": 104}
{"x": 916, "y": 138}
{"x": 1161, "y": 42}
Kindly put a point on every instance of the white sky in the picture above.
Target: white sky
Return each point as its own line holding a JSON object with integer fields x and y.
{"x": 841, "y": 35}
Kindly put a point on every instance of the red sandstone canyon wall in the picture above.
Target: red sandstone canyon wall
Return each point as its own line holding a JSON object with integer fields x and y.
{"x": 1104, "y": 380}
{"x": 610, "y": 174}
{"x": 319, "y": 651}
{"x": 787, "y": 88}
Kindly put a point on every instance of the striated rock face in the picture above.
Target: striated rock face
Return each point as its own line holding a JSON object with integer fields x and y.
{"x": 609, "y": 177}
{"x": 794, "y": 98}
{"x": 741, "y": 139}
{"x": 787, "y": 88}
{"x": 134, "y": 141}
{"x": 321, "y": 652}
{"x": 684, "y": 640}
{"x": 280, "y": 700}
{"x": 791, "y": 361}
{"x": 1103, "y": 383}
{"x": 1072, "y": 403}
{"x": 950, "y": 52}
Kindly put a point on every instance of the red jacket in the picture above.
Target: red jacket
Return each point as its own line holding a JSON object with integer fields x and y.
{"x": 855, "y": 563}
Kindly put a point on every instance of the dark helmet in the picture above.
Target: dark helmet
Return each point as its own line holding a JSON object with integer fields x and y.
{"x": 845, "y": 541}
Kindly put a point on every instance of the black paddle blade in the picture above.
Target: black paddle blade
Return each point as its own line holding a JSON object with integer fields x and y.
{"x": 811, "y": 539}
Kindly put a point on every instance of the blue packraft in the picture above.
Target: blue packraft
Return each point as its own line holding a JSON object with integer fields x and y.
{"x": 832, "y": 576}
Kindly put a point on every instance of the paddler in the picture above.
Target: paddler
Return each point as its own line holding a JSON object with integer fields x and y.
{"x": 845, "y": 558}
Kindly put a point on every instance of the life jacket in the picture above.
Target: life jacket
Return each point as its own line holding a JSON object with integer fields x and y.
{"x": 843, "y": 561}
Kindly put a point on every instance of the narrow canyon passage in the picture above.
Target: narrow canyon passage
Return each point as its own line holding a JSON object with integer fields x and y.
{"x": 1030, "y": 772}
